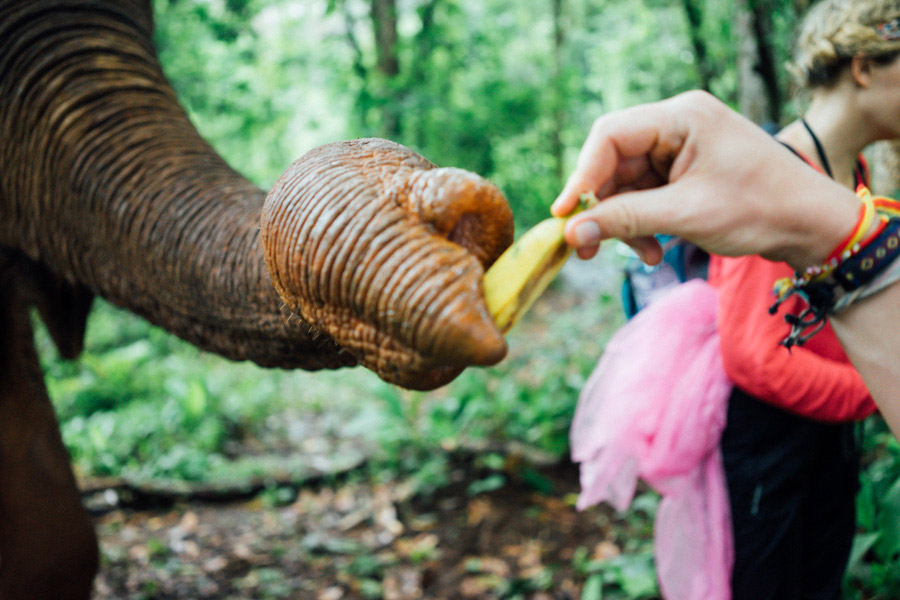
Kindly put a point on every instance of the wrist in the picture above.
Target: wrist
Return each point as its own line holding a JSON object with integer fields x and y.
{"x": 828, "y": 212}
{"x": 862, "y": 264}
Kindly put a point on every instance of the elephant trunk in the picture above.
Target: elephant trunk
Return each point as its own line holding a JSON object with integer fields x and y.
{"x": 391, "y": 271}
{"x": 104, "y": 180}
{"x": 105, "y": 183}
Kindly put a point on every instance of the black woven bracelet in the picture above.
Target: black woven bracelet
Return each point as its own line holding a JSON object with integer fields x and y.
{"x": 868, "y": 263}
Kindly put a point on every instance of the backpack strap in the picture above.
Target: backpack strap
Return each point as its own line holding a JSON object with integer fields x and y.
{"x": 862, "y": 172}
{"x": 819, "y": 148}
{"x": 791, "y": 148}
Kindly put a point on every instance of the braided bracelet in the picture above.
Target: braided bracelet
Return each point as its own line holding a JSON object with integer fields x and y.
{"x": 888, "y": 277}
{"x": 849, "y": 246}
{"x": 855, "y": 270}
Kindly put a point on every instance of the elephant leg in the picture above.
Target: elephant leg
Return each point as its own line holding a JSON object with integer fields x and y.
{"x": 48, "y": 549}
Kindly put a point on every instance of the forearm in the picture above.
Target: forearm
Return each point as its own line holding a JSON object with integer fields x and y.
{"x": 867, "y": 332}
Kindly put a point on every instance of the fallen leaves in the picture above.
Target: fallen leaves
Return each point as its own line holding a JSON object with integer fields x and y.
{"x": 403, "y": 583}
{"x": 359, "y": 542}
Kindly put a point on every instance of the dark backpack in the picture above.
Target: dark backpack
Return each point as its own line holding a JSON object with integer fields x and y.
{"x": 681, "y": 262}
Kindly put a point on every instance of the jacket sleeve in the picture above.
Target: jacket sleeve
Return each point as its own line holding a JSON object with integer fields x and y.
{"x": 815, "y": 381}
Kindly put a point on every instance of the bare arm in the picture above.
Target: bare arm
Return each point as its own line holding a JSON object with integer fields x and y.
{"x": 869, "y": 334}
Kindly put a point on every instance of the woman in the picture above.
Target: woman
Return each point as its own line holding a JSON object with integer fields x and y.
{"x": 788, "y": 450}
{"x": 788, "y": 445}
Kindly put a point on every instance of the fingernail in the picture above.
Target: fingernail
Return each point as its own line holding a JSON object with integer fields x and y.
{"x": 587, "y": 233}
{"x": 557, "y": 202}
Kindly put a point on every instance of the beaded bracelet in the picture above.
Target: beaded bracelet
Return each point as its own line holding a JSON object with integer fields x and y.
{"x": 843, "y": 251}
{"x": 848, "y": 271}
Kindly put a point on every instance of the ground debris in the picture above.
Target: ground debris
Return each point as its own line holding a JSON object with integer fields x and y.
{"x": 359, "y": 541}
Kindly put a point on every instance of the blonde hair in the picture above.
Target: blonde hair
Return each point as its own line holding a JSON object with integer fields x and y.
{"x": 836, "y": 31}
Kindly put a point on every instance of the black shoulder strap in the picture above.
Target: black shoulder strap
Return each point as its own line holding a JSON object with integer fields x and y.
{"x": 791, "y": 148}
{"x": 862, "y": 174}
{"x": 819, "y": 148}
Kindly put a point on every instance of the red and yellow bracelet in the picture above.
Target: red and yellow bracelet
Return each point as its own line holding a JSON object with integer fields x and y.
{"x": 855, "y": 261}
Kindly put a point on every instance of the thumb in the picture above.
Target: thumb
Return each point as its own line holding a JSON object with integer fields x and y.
{"x": 627, "y": 216}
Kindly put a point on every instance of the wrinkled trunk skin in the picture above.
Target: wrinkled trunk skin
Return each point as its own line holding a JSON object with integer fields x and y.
{"x": 106, "y": 189}
{"x": 405, "y": 301}
{"x": 105, "y": 182}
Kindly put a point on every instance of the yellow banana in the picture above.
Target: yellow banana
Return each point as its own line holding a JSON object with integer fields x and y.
{"x": 523, "y": 272}
{"x": 517, "y": 278}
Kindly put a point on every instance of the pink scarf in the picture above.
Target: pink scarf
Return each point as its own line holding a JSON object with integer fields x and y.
{"x": 654, "y": 408}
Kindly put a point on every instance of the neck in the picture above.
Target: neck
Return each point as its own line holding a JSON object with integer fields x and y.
{"x": 841, "y": 128}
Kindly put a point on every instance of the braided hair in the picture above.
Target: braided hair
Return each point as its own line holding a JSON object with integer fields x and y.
{"x": 835, "y": 31}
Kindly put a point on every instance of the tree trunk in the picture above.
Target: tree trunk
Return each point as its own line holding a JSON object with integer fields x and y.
{"x": 384, "y": 19}
{"x": 801, "y": 6}
{"x": 559, "y": 97}
{"x": 759, "y": 95}
{"x": 387, "y": 63}
{"x": 424, "y": 44}
{"x": 364, "y": 96}
{"x": 694, "y": 14}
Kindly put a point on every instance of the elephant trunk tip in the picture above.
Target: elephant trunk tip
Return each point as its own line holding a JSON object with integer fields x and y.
{"x": 489, "y": 352}
{"x": 473, "y": 338}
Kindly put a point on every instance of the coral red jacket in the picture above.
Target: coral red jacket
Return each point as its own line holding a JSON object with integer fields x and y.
{"x": 815, "y": 380}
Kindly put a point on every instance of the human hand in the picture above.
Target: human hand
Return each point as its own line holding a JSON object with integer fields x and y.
{"x": 689, "y": 166}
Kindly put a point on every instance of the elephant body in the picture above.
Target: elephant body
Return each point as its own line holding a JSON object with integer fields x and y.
{"x": 106, "y": 189}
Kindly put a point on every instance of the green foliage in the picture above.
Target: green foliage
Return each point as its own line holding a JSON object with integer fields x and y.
{"x": 630, "y": 576}
{"x": 257, "y": 77}
{"x": 482, "y": 85}
{"x": 874, "y": 569}
{"x": 142, "y": 403}
{"x": 528, "y": 399}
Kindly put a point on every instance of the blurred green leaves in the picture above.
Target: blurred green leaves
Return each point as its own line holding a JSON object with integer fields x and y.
{"x": 486, "y": 86}
{"x": 874, "y": 568}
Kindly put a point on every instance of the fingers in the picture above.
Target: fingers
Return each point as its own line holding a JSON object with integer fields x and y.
{"x": 597, "y": 164}
{"x": 648, "y": 249}
{"x": 632, "y": 216}
{"x": 586, "y": 252}
{"x": 633, "y": 148}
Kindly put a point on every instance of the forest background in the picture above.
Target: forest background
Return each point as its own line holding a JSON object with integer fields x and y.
{"x": 505, "y": 89}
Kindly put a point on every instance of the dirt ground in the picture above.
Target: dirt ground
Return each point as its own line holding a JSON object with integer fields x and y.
{"x": 348, "y": 539}
{"x": 362, "y": 541}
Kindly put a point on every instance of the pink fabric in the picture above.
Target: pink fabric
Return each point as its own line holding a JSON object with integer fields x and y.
{"x": 654, "y": 408}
